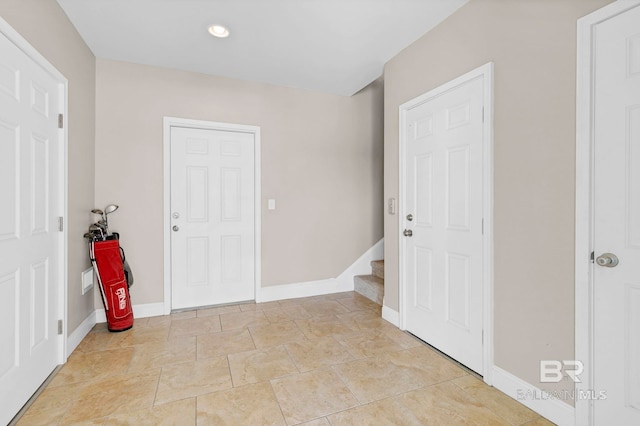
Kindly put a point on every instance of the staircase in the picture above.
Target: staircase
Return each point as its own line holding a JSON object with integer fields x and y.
{"x": 371, "y": 286}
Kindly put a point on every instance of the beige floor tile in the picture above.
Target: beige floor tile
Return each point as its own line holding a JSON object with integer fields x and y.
{"x": 324, "y": 308}
{"x": 97, "y": 340}
{"x": 425, "y": 363}
{"x": 447, "y": 404}
{"x": 361, "y": 320}
{"x": 260, "y": 365}
{"x": 113, "y": 395}
{"x": 194, "y": 326}
{"x": 388, "y": 412}
{"x": 258, "y": 306}
{"x": 290, "y": 302}
{"x": 366, "y": 343}
{"x": 139, "y": 336}
{"x": 82, "y": 367}
{"x": 502, "y": 405}
{"x": 317, "y": 422}
{"x": 276, "y": 334}
{"x": 195, "y": 378}
{"x": 200, "y": 313}
{"x": 402, "y": 338}
{"x": 248, "y": 405}
{"x": 159, "y": 354}
{"x": 221, "y": 378}
{"x": 51, "y": 404}
{"x": 342, "y": 295}
{"x": 286, "y": 313}
{"x": 322, "y": 326}
{"x": 358, "y": 303}
{"x": 310, "y": 395}
{"x": 159, "y": 320}
{"x": 237, "y": 320}
{"x": 184, "y": 315}
{"x": 540, "y": 421}
{"x": 224, "y": 343}
{"x": 182, "y": 412}
{"x": 316, "y": 353}
{"x": 375, "y": 378}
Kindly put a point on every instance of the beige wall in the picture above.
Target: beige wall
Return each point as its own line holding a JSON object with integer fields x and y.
{"x": 533, "y": 46}
{"x": 321, "y": 161}
{"x": 46, "y": 27}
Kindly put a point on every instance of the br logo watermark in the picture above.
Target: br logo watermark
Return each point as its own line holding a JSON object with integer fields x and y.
{"x": 553, "y": 371}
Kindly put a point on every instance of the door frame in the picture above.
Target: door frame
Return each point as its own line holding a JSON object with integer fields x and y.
{"x": 170, "y": 122}
{"x": 62, "y": 241}
{"x": 486, "y": 72}
{"x": 584, "y": 219}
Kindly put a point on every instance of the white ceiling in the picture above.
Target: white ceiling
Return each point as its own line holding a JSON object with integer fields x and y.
{"x": 333, "y": 46}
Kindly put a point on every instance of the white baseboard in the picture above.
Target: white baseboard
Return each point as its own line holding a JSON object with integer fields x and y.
{"x": 305, "y": 289}
{"x": 362, "y": 266}
{"x": 390, "y": 315}
{"x": 139, "y": 311}
{"x": 525, "y": 393}
{"x": 81, "y": 331}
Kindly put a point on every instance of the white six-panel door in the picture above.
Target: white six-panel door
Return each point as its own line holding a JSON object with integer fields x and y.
{"x": 29, "y": 239}
{"x": 212, "y": 217}
{"x": 617, "y": 219}
{"x": 443, "y": 208}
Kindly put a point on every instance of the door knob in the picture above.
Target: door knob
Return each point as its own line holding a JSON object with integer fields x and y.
{"x": 175, "y": 228}
{"x": 408, "y": 232}
{"x": 608, "y": 260}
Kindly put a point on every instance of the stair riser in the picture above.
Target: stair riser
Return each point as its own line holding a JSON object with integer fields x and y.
{"x": 371, "y": 290}
{"x": 378, "y": 271}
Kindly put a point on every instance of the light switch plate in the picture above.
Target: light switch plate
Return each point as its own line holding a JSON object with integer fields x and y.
{"x": 271, "y": 204}
{"x": 87, "y": 280}
{"x": 392, "y": 206}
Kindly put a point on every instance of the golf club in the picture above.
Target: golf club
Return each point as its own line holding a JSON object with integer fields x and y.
{"x": 107, "y": 210}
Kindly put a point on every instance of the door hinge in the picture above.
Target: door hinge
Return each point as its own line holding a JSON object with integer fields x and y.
{"x": 60, "y": 121}
{"x": 592, "y": 257}
{"x": 482, "y": 226}
{"x": 483, "y": 114}
{"x": 59, "y": 327}
{"x": 60, "y": 224}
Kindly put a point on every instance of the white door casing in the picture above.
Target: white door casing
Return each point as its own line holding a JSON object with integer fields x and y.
{"x": 212, "y": 217}
{"x": 608, "y": 216}
{"x": 32, "y": 249}
{"x": 446, "y": 185}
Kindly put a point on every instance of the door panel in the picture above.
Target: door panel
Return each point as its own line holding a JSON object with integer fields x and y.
{"x": 29, "y": 241}
{"x": 617, "y": 219}
{"x": 212, "y": 193}
{"x": 444, "y": 194}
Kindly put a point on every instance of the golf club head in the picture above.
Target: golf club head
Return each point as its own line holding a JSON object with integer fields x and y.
{"x": 110, "y": 208}
{"x": 88, "y": 235}
{"x": 97, "y": 211}
{"x": 95, "y": 229}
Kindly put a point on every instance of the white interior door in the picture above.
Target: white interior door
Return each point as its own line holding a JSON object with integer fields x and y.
{"x": 212, "y": 217}
{"x": 29, "y": 241}
{"x": 443, "y": 258}
{"x": 617, "y": 219}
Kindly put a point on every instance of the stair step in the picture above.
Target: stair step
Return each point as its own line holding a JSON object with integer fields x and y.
{"x": 369, "y": 286}
{"x": 377, "y": 266}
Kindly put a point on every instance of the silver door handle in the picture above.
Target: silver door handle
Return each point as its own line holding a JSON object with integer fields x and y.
{"x": 408, "y": 233}
{"x": 175, "y": 228}
{"x": 608, "y": 260}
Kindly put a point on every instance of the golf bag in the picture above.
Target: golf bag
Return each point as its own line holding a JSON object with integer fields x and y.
{"x": 108, "y": 264}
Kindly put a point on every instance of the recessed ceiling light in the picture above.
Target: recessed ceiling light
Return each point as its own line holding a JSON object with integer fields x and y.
{"x": 218, "y": 31}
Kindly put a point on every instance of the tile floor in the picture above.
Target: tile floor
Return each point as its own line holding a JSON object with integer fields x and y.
{"x": 325, "y": 360}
